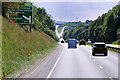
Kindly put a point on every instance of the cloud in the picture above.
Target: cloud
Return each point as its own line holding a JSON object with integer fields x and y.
{"x": 62, "y": 11}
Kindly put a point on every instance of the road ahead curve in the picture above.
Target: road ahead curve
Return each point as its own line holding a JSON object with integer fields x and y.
{"x": 75, "y": 63}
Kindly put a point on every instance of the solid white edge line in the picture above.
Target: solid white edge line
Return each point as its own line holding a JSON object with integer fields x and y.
{"x": 32, "y": 71}
{"x": 110, "y": 78}
{"x": 54, "y": 66}
{"x": 94, "y": 60}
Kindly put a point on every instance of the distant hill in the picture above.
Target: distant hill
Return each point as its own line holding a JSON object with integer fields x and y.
{"x": 105, "y": 28}
{"x": 57, "y": 22}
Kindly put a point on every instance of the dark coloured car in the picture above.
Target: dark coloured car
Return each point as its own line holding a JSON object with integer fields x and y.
{"x": 62, "y": 41}
{"x": 82, "y": 42}
{"x": 99, "y": 49}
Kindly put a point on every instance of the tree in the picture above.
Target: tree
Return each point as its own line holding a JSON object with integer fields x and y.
{"x": 6, "y": 6}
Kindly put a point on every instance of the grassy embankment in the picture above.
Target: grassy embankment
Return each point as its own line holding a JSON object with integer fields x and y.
{"x": 0, "y": 47}
{"x": 59, "y": 29}
{"x": 20, "y": 48}
{"x": 115, "y": 43}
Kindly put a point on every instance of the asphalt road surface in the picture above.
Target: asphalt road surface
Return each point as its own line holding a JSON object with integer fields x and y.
{"x": 59, "y": 34}
{"x": 74, "y": 63}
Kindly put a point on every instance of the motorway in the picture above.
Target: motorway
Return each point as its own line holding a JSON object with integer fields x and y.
{"x": 74, "y": 63}
{"x": 59, "y": 34}
{"x": 79, "y": 63}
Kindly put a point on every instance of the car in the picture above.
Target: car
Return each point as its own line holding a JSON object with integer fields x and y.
{"x": 82, "y": 42}
{"x": 99, "y": 49}
{"x": 72, "y": 43}
{"x": 89, "y": 41}
{"x": 62, "y": 41}
{"x": 66, "y": 41}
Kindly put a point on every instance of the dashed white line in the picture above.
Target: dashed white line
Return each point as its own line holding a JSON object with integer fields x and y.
{"x": 110, "y": 78}
{"x": 100, "y": 67}
{"x": 54, "y": 66}
{"x": 94, "y": 60}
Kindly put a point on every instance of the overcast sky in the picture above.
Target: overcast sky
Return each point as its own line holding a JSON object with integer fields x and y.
{"x": 69, "y": 11}
{"x": 74, "y": 0}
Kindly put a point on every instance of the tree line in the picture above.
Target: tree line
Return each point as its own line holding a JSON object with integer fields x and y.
{"x": 42, "y": 21}
{"x": 105, "y": 28}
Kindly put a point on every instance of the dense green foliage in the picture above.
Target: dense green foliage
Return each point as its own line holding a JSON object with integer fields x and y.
{"x": 41, "y": 20}
{"x": 74, "y": 28}
{"x": 118, "y": 33}
{"x": 74, "y": 31}
{"x": 104, "y": 28}
{"x": 20, "y": 47}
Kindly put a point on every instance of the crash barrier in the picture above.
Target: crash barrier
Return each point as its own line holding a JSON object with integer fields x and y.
{"x": 90, "y": 44}
{"x": 117, "y": 49}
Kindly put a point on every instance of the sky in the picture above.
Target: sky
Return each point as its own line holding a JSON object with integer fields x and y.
{"x": 74, "y": 0}
{"x": 75, "y": 10}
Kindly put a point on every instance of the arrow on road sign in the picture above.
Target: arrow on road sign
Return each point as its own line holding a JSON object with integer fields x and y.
{"x": 28, "y": 18}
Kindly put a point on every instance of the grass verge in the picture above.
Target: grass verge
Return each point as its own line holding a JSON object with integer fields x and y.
{"x": 25, "y": 66}
{"x": 0, "y": 46}
{"x": 21, "y": 48}
{"x": 59, "y": 29}
{"x": 114, "y": 50}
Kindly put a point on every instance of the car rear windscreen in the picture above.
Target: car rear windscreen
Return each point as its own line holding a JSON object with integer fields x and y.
{"x": 100, "y": 45}
{"x": 72, "y": 41}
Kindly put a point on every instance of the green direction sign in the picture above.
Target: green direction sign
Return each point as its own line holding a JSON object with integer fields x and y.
{"x": 25, "y": 8}
{"x": 22, "y": 16}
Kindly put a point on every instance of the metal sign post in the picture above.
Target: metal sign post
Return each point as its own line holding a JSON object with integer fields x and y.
{"x": 30, "y": 27}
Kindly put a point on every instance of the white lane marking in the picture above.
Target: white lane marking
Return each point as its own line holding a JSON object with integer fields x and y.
{"x": 100, "y": 67}
{"x": 32, "y": 71}
{"x": 50, "y": 73}
{"x": 110, "y": 78}
{"x": 94, "y": 60}
{"x": 35, "y": 70}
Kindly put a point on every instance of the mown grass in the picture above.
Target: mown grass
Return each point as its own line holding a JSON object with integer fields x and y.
{"x": 20, "y": 47}
{"x": 115, "y": 43}
{"x": 114, "y": 50}
{"x": 59, "y": 29}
